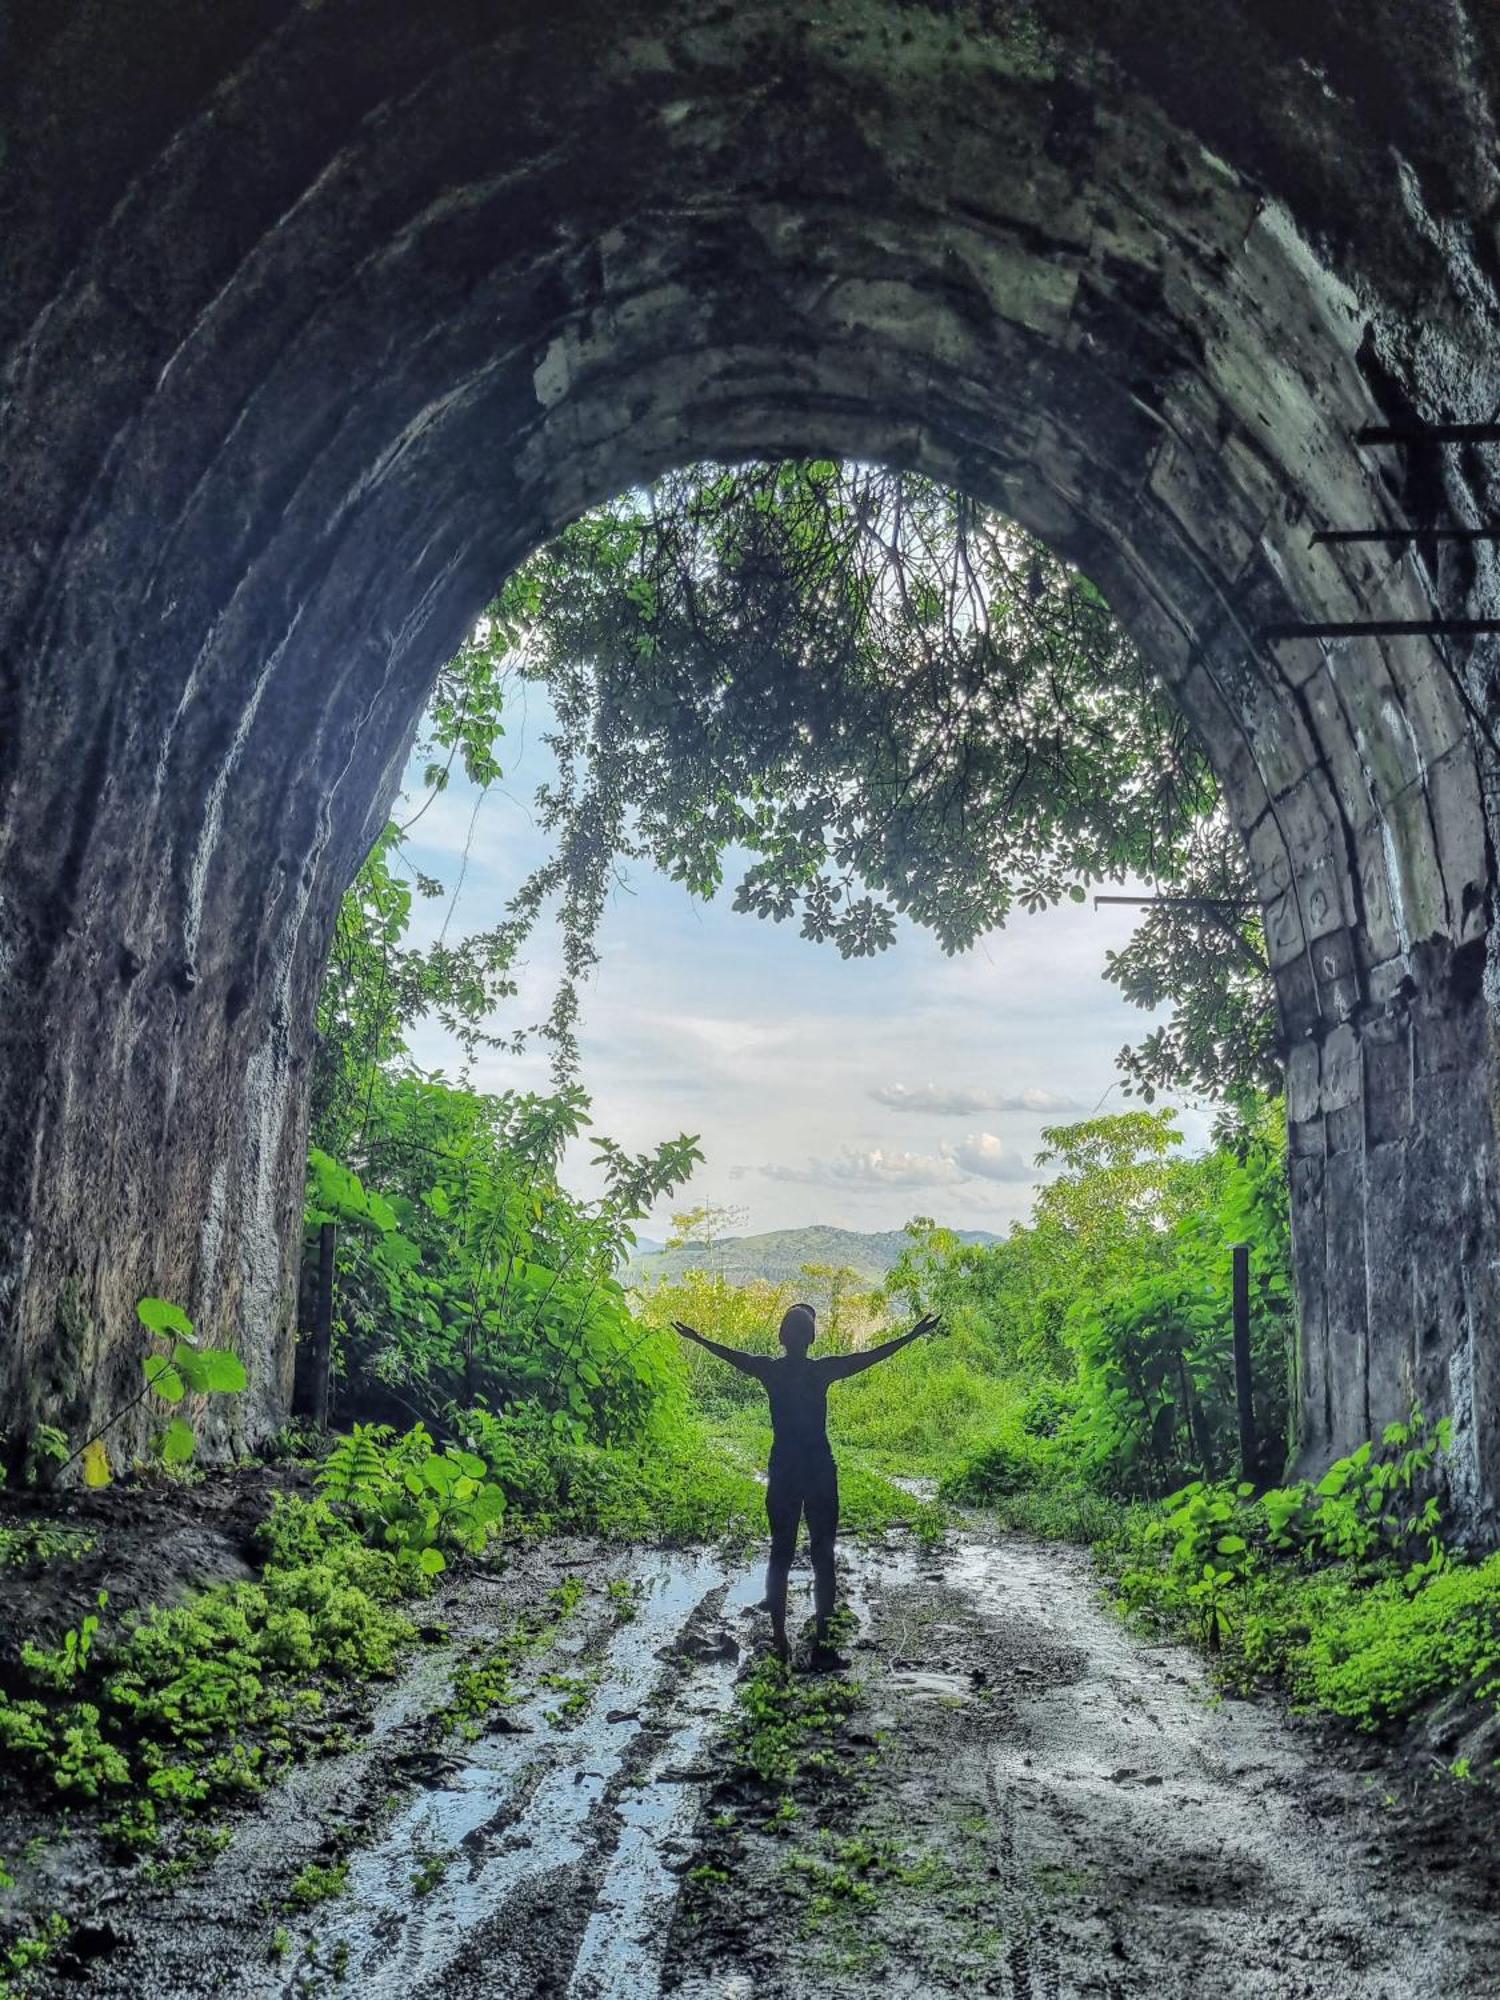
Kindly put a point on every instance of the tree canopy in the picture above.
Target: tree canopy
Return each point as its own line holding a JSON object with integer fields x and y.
{"x": 861, "y": 697}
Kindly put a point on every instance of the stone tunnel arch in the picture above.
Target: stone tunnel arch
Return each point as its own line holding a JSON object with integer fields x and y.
{"x": 315, "y": 324}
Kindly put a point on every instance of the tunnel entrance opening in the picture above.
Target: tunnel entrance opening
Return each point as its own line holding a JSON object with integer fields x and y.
{"x": 850, "y": 699}
{"x": 321, "y": 344}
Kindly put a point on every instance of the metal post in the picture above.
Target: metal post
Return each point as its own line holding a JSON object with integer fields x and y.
{"x": 322, "y": 1344}
{"x": 1249, "y": 1453}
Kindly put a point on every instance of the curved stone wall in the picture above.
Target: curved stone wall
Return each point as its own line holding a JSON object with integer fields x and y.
{"x": 316, "y": 318}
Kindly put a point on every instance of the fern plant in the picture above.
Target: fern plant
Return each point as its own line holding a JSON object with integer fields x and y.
{"x": 357, "y": 1469}
{"x": 410, "y": 1495}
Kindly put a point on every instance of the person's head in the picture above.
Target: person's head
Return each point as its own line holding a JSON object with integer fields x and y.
{"x": 799, "y": 1329}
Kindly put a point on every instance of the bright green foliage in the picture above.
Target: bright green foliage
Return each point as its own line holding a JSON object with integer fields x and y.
{"x": 1378, "y": 1656}
{"x": 176, "y": 1364}
{"x": 174, "y": 1697}
{"x": 1342, "y": 1590}
{"x": 786, "y": 1726}
{"x": 60, "y": 1668}
{"x": 182, "y": 1365}
{"x": 473, "y": 1274}
{"x": 674, "y": 1484}
{"x": 42, "y": 1541}
{"x": 24, "y": 1955}
{"x": 408, "y": 1495}
{"x": 66, "y": 1742}
{"x": 316, "y": 1884}
{"x": 1111, "y": 1310}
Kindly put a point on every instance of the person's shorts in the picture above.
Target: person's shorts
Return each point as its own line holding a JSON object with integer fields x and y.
{"x": 798, "y": 1486}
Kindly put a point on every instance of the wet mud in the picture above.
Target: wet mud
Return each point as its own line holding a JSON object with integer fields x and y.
{"x": 1017, "y": 1797}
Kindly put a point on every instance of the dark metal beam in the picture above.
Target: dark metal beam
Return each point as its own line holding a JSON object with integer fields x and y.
{"x": 1192, "y": 902}
{"x": 1413, "y": 434}
{"x": 1383, "y": 628}
{"x": 1327, "y": 535}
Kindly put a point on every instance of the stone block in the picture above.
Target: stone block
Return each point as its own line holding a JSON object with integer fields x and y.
{"x": 1462, "y": 851}
{"x": 1383, "y": 933}
{"x": 1335, "y": 974}
{"x": 1297, "y": 1000}
{"x": 1419, "y": 893}
{"x": 1188, "y": 486}
{"x": 1341, "y": 1078}
{"x": 1283, "y": 926}
{"x": 1387, "y": 1056}
{"x": 1303, "y": 1081}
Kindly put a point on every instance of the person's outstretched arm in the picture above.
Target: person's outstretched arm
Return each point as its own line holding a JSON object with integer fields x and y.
{"x": 838, "y": 1366}
{"x": 748, "y": 1364}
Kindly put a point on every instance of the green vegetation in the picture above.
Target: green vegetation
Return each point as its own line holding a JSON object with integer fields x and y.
{"x": 179, "y": 1707}
{"x": 787, "y": 1726}
{"x": 1343, "y": 1591}
{"x": 175, "y": 1364}
{"x": 486, "y": 1684}
{"x": 316, "y": 1884}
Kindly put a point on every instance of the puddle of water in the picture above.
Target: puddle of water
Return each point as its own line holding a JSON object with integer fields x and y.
{"x": 621, "y": 1952}
{"x": 517, "y": 1807}
{"x": 931, "y": 1686}
{"x": 919, "y": 1489}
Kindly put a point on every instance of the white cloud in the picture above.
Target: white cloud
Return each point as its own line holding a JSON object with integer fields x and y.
{"x": 961, "y": 1102}
{"x": 876, "y": 1169}
{"x": 982, "y": 1154}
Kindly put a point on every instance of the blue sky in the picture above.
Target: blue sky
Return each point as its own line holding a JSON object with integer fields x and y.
{"x": 857, "y": 1092}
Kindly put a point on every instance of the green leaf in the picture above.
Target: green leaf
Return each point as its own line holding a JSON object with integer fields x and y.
{"x": 178, "y": 1442}
{"x": 210, "y": 1370}
{"x": 163, "y": 1378}
{"x": 161, "y": 1316}
{"x": 431, "y": 1561}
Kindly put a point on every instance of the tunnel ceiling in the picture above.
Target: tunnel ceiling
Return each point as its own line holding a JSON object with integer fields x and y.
{"x": 316, "y": 318}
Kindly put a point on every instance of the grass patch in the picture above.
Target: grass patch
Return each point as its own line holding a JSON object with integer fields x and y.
{"x": 316, "y": 1884}
{"x": 485, "y": 1686}
{"x": 787, "y": 1726}
{"x": 1343, "y": 1593}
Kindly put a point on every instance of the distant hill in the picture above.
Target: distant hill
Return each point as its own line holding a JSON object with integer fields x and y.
{"x": 778, "y": 1255}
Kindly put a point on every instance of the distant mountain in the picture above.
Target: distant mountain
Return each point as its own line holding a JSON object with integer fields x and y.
{"x": 779, "y": 1255}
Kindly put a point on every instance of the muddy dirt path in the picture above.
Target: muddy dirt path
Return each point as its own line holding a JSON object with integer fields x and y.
{"x": 1023, "y": 1800}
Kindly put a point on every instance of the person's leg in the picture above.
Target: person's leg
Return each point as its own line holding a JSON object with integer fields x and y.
{"x": 783, "y": 1510}
{"x": 822, "y": 1537}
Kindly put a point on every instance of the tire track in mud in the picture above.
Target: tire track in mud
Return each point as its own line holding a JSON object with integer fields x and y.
{"x": 557, "y": 1835}
{"x": 1059, "y": 1811}
{"x": 1072, "y": 1812}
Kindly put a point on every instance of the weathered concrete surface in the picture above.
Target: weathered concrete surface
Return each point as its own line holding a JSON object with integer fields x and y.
{"x": 313, "y": 319}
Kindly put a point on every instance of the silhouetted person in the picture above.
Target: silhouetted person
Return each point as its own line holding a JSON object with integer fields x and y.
{"x": 803, "y": 1476}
